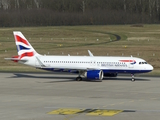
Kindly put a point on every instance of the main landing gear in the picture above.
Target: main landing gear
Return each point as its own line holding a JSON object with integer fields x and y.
{"x": 133, "y": 79}
{"x": 79, "y": 78}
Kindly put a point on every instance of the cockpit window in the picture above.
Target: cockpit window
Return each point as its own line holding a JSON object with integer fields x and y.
{"x": 142, "y": 62}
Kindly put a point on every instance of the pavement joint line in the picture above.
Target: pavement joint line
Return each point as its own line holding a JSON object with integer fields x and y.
{"x": 119, "y": 94}
{"x": 131, "y": 101}
{"x": 148, "y": 110}
{"x": 121, "y": 103}
{"x": 153, "y": 98}
{"x": 112, "y": 104}
{"x": 105, "y": 106}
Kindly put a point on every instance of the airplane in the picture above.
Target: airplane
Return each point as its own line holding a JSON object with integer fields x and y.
{"x": 92, "y": 67}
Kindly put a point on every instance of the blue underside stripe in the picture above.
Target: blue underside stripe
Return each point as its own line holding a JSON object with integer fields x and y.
{"x": 105, "y": 71}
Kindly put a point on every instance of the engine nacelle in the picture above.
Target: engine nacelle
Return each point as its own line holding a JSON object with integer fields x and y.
{"x": 94, "y": 74}
{"x": 110, "y": 74}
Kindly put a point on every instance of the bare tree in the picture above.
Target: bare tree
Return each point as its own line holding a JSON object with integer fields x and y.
{"x": 124, "y": 5}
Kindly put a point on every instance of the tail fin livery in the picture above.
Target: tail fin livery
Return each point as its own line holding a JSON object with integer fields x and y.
{"x": 24, "y": 48}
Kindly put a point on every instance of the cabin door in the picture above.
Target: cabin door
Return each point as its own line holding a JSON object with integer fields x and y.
{"x": 131, "y": 64}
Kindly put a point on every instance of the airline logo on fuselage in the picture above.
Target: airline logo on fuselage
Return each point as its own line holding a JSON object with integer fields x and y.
{"x": 128, "y": 61}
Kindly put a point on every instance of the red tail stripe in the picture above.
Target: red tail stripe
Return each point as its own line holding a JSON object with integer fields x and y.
{"x": 19, "y": 39}
{"x": 15, "y": 57}
{"x": 27, "y": 54}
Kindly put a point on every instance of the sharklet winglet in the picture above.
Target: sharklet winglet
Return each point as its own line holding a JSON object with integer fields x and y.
{"x": 90, "y": 54}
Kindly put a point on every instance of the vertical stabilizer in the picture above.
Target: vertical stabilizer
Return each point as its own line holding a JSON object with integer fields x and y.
{"x": 24, "y": 48}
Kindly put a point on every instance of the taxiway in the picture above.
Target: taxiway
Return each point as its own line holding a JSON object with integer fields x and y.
{"x": 26, "y": 96}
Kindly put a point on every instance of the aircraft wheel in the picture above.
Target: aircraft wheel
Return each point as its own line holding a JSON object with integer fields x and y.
{"x": 79, "y": 78}
{"x": 133, "y": 80}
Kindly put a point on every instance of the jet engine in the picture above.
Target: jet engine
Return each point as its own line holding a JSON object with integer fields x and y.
{"x": 94, "y": 74}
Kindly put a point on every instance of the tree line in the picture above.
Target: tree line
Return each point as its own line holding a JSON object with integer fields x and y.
{"x": 78, "y": 12}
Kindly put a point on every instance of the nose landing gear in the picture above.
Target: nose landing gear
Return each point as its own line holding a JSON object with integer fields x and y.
{"x": 133, "y": 79}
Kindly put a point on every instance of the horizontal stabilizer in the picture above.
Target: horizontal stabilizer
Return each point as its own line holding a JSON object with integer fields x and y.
{"x": 15, "y": 59}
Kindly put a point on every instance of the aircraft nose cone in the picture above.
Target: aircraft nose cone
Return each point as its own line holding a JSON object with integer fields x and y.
{"x": 151, "y": 67}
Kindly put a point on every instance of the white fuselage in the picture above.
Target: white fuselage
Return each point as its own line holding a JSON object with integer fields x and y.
{"x": 107, "y": 64}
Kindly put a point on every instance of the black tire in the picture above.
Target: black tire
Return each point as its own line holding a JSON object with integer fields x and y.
{"x": 78, "y": 78}
{"x": 133, "y": 80}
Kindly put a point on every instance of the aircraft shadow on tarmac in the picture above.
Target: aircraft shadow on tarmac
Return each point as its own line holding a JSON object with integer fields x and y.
{"x": 126, "y": 79}
{"x": 62, "y": 78}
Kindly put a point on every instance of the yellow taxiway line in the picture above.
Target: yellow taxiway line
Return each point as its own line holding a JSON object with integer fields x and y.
{"x": 96, "y": 112}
